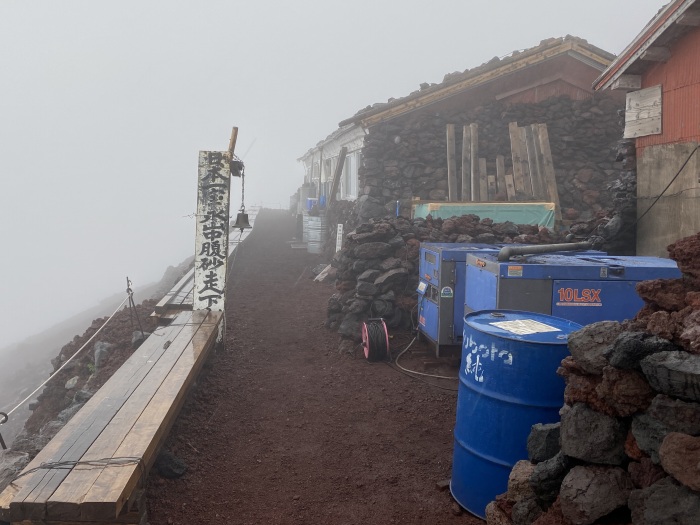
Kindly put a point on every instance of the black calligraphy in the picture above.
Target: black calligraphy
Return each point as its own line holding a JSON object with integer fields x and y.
{"x": 212, "y": 230}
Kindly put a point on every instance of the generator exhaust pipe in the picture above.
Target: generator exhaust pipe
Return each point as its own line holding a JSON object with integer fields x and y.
{"x": 509, "y": 251}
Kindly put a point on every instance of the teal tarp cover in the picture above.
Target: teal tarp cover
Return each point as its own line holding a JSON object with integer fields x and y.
{"x": 539, "y": 213}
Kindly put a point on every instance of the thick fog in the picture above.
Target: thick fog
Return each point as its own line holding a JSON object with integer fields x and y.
{"x": 104, "y": 106}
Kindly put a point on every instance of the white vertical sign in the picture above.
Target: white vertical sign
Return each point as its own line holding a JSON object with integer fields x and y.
{"x": 339, "y": 238}
{"x": 211, "y": 241}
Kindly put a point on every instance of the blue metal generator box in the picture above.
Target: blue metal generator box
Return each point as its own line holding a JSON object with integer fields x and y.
{"x": 583, "y": 288}
{"x": 441, "y": 290}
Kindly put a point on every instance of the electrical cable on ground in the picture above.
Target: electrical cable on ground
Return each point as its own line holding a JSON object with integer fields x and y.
{"x": 69, "y": 359}
{"x": 396, "y": 362}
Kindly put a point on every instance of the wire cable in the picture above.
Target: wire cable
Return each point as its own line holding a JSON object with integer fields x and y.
{"x": 396, "y": 362}
{"x": 95, "y": 463}
{"x": 70, "y": 358}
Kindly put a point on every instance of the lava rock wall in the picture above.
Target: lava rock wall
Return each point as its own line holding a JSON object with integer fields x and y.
{"x": 629, "y": 439}
{"x": 406, "y": 157}
{"x": 377, "y": 270}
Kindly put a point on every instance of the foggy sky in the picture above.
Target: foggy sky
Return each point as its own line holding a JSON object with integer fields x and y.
{"x": 104, "y": 106}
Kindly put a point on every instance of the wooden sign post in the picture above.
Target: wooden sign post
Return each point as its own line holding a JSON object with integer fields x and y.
{"x": 211, "y": 240}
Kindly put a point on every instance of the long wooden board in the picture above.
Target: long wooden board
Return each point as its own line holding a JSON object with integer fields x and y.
{"x": 474, "y": 135}
{"x": 466, "y": 164}
{"x": 501, "y": 176}
{"x": 74, "y": 439}
{"x": 483, "y": 181}
{"x": 112, "y": 488}
{"x": 548, "y": 170}
{"x": 451, "y": 165}
{"x": 517, "y": 156}
{"x": 66, "y": 501}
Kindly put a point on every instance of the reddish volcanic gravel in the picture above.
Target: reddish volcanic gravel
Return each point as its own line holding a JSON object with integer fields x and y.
{"x": 282, "y": 428}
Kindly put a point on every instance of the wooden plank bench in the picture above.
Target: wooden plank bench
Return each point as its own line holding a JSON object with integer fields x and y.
{"x": 109, "y": 446}
{"x": 180, "y": 297}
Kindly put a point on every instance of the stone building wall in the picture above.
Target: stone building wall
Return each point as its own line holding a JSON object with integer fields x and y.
{"x": 406, "y": 157}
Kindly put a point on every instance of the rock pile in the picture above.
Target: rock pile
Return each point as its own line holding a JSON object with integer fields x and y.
{"x": 627, "y": 450}
{"x": 377, "y": 270}
{"x": 406, "y": 157}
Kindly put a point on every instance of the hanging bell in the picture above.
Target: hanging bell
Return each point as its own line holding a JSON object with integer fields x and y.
{"x": 242, "y": 222}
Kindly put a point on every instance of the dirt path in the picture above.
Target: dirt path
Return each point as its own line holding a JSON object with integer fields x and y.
{"x": 283, "y": 429}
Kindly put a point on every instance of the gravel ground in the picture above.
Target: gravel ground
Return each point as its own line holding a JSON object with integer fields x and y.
{"x": 282, "y": 428}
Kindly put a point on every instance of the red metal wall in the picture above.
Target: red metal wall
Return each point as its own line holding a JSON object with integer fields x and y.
{"x": 680, "y": 81}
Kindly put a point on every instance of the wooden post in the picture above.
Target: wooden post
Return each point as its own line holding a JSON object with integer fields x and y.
{"x": 483, "y": 181}
{"x": 336, "y": 175}
{"x": 517, "y": 157}
{"x": 451, "y": 164}
{"x": 548, "y": 169}
{"x": 232, "y": 141}
{"x": 466, "y": 164}
{"x": 527, "y": 172}
{"x": 501, "y": 176}
{"x": 474, "y": 154}
{"x": 510, "y": 186}
{"x": 539, "y": 186}
{"x": 491, "y": 180}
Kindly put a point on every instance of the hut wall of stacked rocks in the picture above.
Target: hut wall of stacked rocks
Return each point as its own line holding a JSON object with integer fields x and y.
{"x": 405, "y": 158}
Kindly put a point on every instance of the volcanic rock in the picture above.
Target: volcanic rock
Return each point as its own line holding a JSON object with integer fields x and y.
{"x": 680, "y": 457}
{"x": 591, "y": 436}
{"x": 543, "y": 442}
{"x": 588, "y": 345}
{"x": 590, "y": 492}
{"x": 674, "y": 373}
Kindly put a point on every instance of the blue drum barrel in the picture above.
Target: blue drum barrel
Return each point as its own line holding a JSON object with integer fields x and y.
{"x": 507, "y": 383}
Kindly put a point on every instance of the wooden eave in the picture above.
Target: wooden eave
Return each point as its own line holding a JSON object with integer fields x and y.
{"x": 584, "y": 53}
{"x": 661, "y": 30}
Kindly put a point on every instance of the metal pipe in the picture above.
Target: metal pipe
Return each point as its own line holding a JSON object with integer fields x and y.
{"x": 508, "y": 251}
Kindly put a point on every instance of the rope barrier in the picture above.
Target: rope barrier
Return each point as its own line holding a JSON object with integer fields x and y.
{"x": 6, "y": 415}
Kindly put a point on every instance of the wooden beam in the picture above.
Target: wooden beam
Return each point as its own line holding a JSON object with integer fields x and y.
{"x": 510, "y": 187}
{"x": 483, "y": 181}
{"x": 656, "y": 54}
{"x": 336, "y": 175}
{"x": 689, "y": 18}
{"x": 534, "y": 158}
{"x": 475, "y": 161}
{"x": 548, "y": 170}
{"x": 527, "y": 171}
{"x": 466, "y": 164}
{"x": 232, "y": 141}
{"x": 627, "y": 83}
{"x": 517, "y": 157}
{"x": 501, "y": 176}
{"x": 493, "y": 189}
{"x": 451, "y": 165}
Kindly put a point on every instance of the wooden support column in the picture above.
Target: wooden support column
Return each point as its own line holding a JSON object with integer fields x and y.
{"x": 517, "y": 157}
{"x": 336, "y": 174}
{"x": 475, "y": 161}
{"x": 527, "y": 167}
{"x": 534, "y": 160}
{"x": 548, "y": 170}
{"x": 451, "y": 165}
{"x": 483, "y": 181}
{"x": 466, "y": 164}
